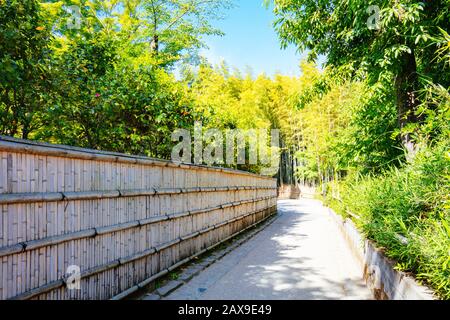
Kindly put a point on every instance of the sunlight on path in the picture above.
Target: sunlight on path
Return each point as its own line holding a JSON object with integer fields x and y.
{"x": 301, "y": 255}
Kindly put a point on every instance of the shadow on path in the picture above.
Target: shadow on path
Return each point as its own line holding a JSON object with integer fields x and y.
{"x": 301, "y": 255}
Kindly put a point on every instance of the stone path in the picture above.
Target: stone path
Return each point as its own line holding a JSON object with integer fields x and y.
{"x": 301, "y": 255}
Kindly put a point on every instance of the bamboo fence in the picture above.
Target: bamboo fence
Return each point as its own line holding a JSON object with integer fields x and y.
{"x": 287, "y": 191}
{"x": 123, "y": 220}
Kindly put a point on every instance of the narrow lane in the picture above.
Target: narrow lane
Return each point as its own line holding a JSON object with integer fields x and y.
{"x": 302, "y": 255}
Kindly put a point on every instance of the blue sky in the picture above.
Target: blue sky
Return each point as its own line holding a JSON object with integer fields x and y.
{"x": 250, "y": 40}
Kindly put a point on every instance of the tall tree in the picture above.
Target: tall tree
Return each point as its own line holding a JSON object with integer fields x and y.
{"x": 24, "y": 64}
{"x": 386, "y": 39}
{"x": 173, "y": 28}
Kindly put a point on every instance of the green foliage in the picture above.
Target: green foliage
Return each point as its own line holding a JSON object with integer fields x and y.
{"x": 25, "y": 78}
{"x": 132, "y": 111}
{"x": 98, "y": 82}
{"x": 384, "y": 42}
{"x": 176, "y": 26}
{"x": 368, "y": 144}
{"x": 407, "y": 212}
{"x": 435, "y": 109}
{"x": 343, "y": 31}
{"x": 228, "y": 100}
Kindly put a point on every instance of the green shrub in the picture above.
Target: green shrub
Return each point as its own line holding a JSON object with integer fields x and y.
{"x": 406, "y": 212}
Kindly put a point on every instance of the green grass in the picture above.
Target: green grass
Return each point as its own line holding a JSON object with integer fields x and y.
{"x": 412, "y": 204}
{"x": 173, "y": 275}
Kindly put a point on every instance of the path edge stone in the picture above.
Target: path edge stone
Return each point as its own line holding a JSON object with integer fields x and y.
{"x": 378, "y": 271}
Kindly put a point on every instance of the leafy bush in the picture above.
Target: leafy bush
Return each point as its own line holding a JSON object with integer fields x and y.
{"x": 406, "y": 211}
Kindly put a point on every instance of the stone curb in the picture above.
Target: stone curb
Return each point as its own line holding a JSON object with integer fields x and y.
{"x": 383, "y": 280}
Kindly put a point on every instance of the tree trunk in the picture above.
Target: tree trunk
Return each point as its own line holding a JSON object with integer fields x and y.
{"x": 406, "y": 84}
{"x": 154, "y": 46}
{"x": 286, "y": 169}
{"x": 25, "y": 130}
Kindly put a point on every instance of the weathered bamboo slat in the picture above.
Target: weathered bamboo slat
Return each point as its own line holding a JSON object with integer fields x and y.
{"x": 123, "y": 220}
{"x": 12, "y": 198}
{"x": 110, "y": 265}
{"x": 30, "y": 197}
{"x": 35, "y": 244}
{"x": 90, "y": 195}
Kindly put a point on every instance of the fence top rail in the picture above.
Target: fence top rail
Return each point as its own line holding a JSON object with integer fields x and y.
{"x": 57, "y": 150}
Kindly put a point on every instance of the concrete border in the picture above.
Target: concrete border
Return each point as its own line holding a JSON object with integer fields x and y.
{"x": 385, "y": 282}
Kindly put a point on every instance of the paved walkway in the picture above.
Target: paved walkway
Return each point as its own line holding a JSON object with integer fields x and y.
{"x": 301, "y": 255}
